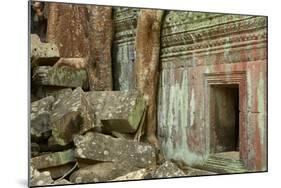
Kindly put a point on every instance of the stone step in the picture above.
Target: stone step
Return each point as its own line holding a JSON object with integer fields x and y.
{"x": 219, "y": 164}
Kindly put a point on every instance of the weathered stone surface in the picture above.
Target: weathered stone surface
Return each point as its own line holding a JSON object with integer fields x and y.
{"x": 60, "y": 76}
{"x": 119, "y": 111}
{"x": 197, "y": 48}
{"x": 53, "y": 159}
{"x": 136, "y": 175}
{"x": 68, "y": 30}
{"x": 38, "y": 179}
{"x": 77, "y": 63}
{"x": 71, "y": 115}
{"x": 43, "y": 53}
{"x": 52, "y": 146}
{"x": 35, "y": 149}
{"x": 61, "y": 182}
{"x": 168, "y": 169}
{"x": 40, "y": 117}
{"x": 100, "y": 172}
{"x": 44, "y": 178}
{"x": 122, "y": 135}
{"x": 99, "y": 147}
{"x": 46, "y": 91}
{"x": 58, "y": 171}
{"x": 123, "y": 48}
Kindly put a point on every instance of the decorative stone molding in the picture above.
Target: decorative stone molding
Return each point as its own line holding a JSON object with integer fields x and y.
{"x": 125, "y": 23}
{"x": 183, "y": 35}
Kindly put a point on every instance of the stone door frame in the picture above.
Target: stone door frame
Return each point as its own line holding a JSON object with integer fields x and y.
{"x": 225, "y": 78}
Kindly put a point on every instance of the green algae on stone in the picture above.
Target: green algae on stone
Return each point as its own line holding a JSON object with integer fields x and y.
{"x": 119, "y": 111}
{"x": 53, "y": 159}
{"x": 40, "y": 117}
{"x": 71, "y": 115}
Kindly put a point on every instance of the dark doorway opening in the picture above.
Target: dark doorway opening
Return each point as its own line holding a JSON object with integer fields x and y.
{"x": 224, "y": 118}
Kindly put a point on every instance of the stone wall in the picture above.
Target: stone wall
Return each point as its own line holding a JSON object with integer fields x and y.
{"x": 202, "y": 49}
{"x": 199, "y": 50}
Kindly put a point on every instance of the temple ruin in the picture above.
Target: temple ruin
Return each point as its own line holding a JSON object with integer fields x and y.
{"x": 211, "y": 98}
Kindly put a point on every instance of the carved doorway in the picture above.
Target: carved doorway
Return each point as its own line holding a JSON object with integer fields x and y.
{"x": 226, "y": 131}
{"x": 224, "y": 118}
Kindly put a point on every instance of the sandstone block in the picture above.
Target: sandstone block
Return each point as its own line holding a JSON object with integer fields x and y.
{"x": 53, "y": 159}
{"x": 61, "y": 182}
{"x": 43, "y": 178}
{"x": 40, "y": 117}
{"x": 119, "y": 111}
{"x": 60, "y": 76}
{"x": 168, "y": 169}
{"x": 104, "y": 148}
{"x": 100, "y": 172}
{"x": 136, "y": 175}
{"x": 71, "y": 115}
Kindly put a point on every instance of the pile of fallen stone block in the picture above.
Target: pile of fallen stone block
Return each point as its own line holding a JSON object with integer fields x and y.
{"x": 80, "y": 136}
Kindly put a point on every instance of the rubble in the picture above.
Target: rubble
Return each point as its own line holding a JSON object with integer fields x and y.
{"x": 83, "y": 137}
{"x": 53, "y": 146}
{"x": 61, "y": 182}
{"x": 60, "y": 76}
{"x": 104, "y": 148}
{"x": 46, "y": 91}
{"x": 44, "y": 178}
{"x": 100, "y": 172}
{"x": 35, "y": 149}
{"x": 40, "y": 117}
{"x": 43, "y": 53}
{"x": 168, "y": 169}
{"x": 71, "y": 115}
{"x": 122, "y": 135}
{"x": 53, "y": 159}
{"x": 40, "y": 178}
{"x": 135, "y": 175}
{"x": 119, "y": 111}
{"x": 59, "y": 171}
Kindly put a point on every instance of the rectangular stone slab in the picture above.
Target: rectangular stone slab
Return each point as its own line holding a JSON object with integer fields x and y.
{"x": 71, "y": 115}
{"x": 60, "y": 76}
{"x": 104, "y": 148}
{"x": 42, "y": 53}
{"x": 40, "y": 117}
{"x": 53, "y": 159}
{"x": 119, "y": 111}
